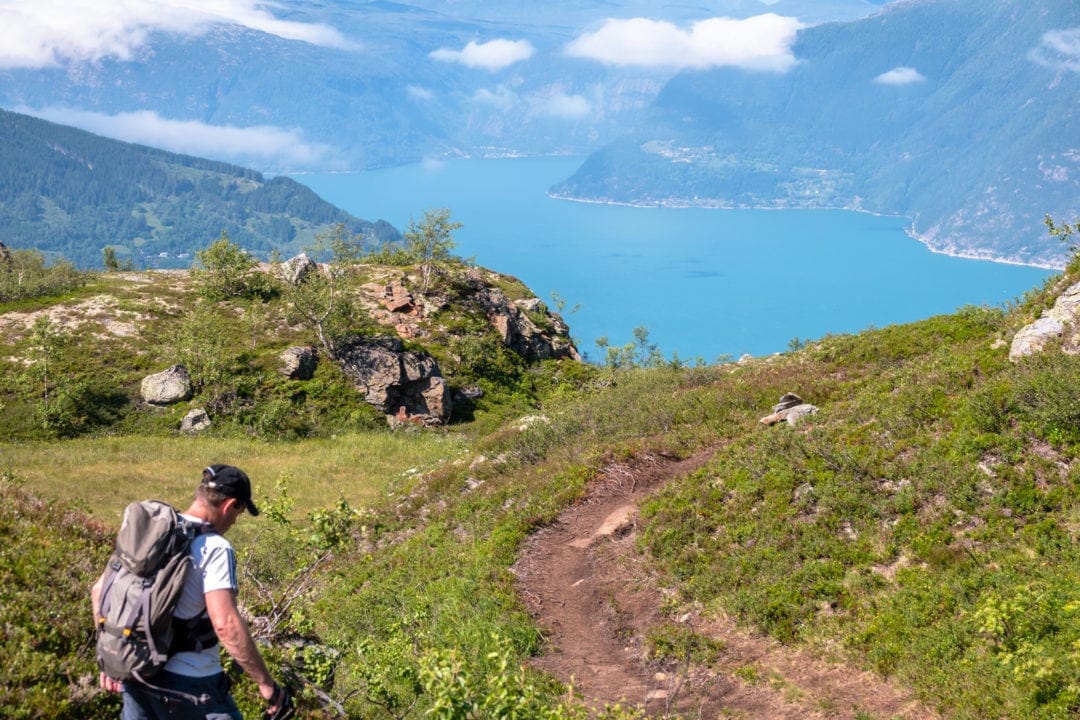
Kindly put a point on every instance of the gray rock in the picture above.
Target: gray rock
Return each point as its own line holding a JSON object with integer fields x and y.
{"x": 1060, "y": 321}
{"x": 167, "y": 387}
{"x": 404, "y": 384}
{"x": 788, "y": 400}
{"x": 791, "y": 409}
{"x": 530, "y": 304}
{"x": 298, "y": 363}
{"x": 195, "y": 421}
{"x": 794, "y": 415}
{"x": 296, "y": 268}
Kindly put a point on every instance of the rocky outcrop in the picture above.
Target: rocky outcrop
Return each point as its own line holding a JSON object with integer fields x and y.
{"x": 167, "y": 387}
{"x": 518, "y": 330}
{"x": 405, "y": 385}
{"x": 791, "y": 409}
{"x": 525, "y": 326}
{"x": 298, "y": 363}
{"x": 1061, "y": 321}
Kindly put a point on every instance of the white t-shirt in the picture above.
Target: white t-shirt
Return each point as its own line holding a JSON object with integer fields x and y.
{"x": 214, "y": 568}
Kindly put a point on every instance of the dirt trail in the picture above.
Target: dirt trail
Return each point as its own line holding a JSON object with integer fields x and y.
{"x": 586, "y": 585}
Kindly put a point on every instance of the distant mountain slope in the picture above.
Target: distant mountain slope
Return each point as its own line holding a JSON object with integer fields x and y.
{"x": 67, "y": 191}
{"x": 961, "y": 115}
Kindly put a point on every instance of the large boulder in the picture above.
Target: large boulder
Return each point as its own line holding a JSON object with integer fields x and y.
{"x": 400, "y": 383}
{"x": 298, "y": 363}
{"x": 167, "y": 387}
{"x": 295, "y": 269}
{"x": 1060, "y": 321}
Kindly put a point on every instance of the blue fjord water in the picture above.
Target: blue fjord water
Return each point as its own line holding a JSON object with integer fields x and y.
{"x": 706, "y": 283}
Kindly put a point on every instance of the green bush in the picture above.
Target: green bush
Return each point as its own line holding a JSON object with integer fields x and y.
{"x": 226, "y": 271}
{"x": 50, "y": 555}
{"x": 28, "y": 276}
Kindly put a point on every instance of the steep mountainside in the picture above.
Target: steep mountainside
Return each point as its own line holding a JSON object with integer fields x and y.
{"x": 67, "y": 191}
{"x": 959, "y": 115}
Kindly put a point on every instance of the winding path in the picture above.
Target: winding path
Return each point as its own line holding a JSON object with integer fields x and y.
{"x": 586, "y": 585}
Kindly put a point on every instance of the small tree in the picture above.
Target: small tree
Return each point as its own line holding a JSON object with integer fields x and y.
{"x": 1065, "y": 232}
{"x": 206, "y": 344}
{"x": 112, "y": 262}
{"x": 226, "y": 270}
{"x": 317, "y": 299}
{"x": 430, "y": 241}
{"x": 345, "y": 248}
{"x": 47, "y": 340}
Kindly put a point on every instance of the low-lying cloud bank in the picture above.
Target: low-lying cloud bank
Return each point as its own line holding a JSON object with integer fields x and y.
{"x": 261, "y": 145}
{"x": 50, "y": 33}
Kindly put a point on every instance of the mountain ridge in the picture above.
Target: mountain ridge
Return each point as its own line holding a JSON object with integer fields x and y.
{"x": 975, "y": 168}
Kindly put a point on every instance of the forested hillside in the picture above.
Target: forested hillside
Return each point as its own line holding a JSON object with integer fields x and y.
{"x": 66, "y": 191}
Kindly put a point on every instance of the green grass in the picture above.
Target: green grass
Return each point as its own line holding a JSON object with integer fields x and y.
{"x": 925, "y": 523}
{"x": 101, "y": 475}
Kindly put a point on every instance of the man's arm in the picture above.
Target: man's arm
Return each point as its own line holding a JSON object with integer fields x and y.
{"x": 233, "y": 633}
{"x": 106, "y": 682}
{"x": 95, "y": 596}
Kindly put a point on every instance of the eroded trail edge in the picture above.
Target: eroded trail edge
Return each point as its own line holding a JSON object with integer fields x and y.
{"x": 589, "y": 589}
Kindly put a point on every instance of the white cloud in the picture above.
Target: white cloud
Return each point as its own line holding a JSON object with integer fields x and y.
{"x": 492, "y": 55}
{"x": 257, "y": 144}
{"x": 900, "y": 76}
{"x": 501, "y": 98}
{"x": 422, "y": 94}
{"x": 762, "y": 42}
{"x": 561, "y": 105}
{"x": 43, "y": 33}
{"x": 1059, "y": 49}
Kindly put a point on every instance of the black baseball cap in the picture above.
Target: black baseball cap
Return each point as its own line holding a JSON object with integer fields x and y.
{"x": 232, "y": 482}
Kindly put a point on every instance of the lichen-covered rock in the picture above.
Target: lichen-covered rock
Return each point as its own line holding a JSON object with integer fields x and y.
{"x": 195, "y": 421}
{"x": 298, "y": 363}
{"x": 296, "y": 268}
{"x": 167, "y": 387}
{"x": 518, "y": 331}
{"x": 400, "y": 383}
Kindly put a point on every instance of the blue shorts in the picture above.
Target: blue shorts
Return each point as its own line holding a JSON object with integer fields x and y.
{"x": 179, "y": 697}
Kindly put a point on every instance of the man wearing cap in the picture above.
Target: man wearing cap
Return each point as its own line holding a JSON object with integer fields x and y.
{"x": 208, "y": 612}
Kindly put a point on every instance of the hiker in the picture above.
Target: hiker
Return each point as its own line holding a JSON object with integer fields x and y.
{"x": 193, "y": 683}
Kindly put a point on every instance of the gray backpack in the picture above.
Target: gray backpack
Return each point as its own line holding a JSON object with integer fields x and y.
{"x": 140, "y": 590}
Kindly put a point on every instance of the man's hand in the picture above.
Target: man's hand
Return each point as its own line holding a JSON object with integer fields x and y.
{"x": 280, "y": 705}
{"x": 110, "y": 684}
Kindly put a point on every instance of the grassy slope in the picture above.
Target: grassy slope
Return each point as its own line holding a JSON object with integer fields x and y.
{"x": 923, "y": 523}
